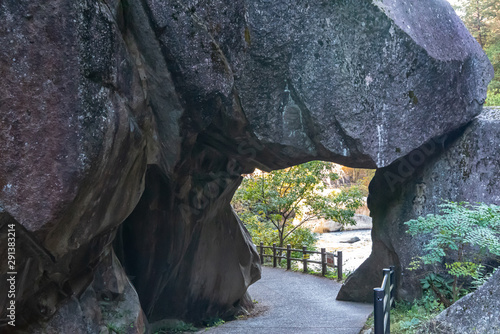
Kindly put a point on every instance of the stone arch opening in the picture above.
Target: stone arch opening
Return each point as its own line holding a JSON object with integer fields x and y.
{"x": 330, "y": 206}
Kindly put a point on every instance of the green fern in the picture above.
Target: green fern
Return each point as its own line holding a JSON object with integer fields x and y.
{"x": 449, "y": 235}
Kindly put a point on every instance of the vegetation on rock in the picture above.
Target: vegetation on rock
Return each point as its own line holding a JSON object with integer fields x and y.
{"x": 482, "y": 19}
{"x": 456, "y": 241}
{"x": 461, "y": 237}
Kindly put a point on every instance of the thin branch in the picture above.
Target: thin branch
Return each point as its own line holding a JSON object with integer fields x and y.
{"x": 293, "y": 229}
{"x": 275, "y": 225}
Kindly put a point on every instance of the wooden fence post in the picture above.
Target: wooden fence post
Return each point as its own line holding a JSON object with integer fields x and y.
{"x": 288, "y": 256}
{"x": 339, "y": 265}
{"x": 323, "y": 261}
{"x": 261, "y": 253}
{"x": 274, "y": 255}
{"x": 304, "y": 253}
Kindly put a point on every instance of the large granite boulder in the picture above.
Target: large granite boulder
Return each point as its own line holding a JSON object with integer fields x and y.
{"x": 74, "y": 125}
{"x": 148, "y": 112}
{"x": 358, "y": 83}
{"x": 189, "y": 257}
{"x": 461, "y": 166}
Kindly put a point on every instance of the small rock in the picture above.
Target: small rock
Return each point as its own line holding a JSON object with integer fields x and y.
{"x": 351, "y": 240}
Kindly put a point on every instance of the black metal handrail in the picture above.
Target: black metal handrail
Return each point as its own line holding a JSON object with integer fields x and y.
{"x": 383, "y": 300}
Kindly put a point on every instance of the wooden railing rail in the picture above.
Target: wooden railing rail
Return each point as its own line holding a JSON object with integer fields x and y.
{"x": 327, "y": 259}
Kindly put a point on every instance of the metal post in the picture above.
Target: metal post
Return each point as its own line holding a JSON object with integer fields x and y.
{"x": 393, "y": 284}
{"x": 323, "y": 261}
{"x": 274, "y": 255}
{"x": 383, "y": 298}
{"x": 339, "y": 265}
{"x": 288, "y": 256}
{"x": 387, "y": 273}
{"x": 304, "y": 249}
{"x": 261, "y": 253}
{"x": 387, "y": 306}
{"x": 378, "y": 310}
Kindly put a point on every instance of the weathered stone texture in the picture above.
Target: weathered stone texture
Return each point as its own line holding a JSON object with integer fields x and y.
{"x": 462, "y": 166}
{"x": 73, "y": 131}
{"x": 149, "y": 111}
{"x": 188, "y": 270}
{"x": 109, "y": 303}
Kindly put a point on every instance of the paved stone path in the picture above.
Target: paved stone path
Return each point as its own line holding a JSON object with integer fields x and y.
{"x": 292, "y": 302}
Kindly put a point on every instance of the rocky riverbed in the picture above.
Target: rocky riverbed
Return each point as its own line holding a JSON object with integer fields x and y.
{"x": 353, "y": 253}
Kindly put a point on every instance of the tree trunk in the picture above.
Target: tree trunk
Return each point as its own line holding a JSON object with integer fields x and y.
{"x": 281, "y": 233}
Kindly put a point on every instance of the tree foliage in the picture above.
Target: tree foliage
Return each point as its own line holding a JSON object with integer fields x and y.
{"x": 268, "y": 235}
{"x": 359, "y": 176}
{"x": 285, "y": 199}
{"x": 449, "y": 236}
{"x": 482, "y": 19}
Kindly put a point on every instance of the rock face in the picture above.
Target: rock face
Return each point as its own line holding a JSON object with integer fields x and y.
{"x": 109, "y": 303}
{"x": 74, "y": 128}
{"x": 315, "y": 84}
{"x": 188, "y": 270}
{"x": 462, "y": 166}
{"x": 474, "y": 313}
{"x": 148, "y": 113}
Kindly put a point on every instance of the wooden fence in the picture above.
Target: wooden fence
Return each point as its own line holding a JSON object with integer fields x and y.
{"x": 327, "y": 259}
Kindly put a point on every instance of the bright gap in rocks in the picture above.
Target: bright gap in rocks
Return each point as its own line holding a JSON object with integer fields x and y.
{"x": 316, "y": 204}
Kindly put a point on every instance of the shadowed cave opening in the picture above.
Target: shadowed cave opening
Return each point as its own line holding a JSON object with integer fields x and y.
{"x": 182, "y": 249}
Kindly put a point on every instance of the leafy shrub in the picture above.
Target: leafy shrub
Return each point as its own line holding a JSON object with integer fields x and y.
{"x": 214, "y": 322}
{"x": 261, "y": 232}
{"x": 408, "y": 317}
{"x": 460, "y": 227}
{"x": 492, "y": 99}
